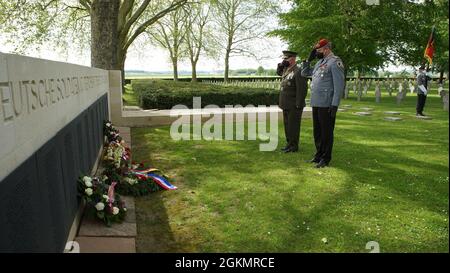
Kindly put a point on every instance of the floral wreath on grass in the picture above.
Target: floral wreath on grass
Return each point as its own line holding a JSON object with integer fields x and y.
{"x": 101, "y": 200}
{"x": 120, "y": 176}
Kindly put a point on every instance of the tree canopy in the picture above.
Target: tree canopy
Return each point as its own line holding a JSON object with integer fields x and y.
{"x": 368, "y": 36}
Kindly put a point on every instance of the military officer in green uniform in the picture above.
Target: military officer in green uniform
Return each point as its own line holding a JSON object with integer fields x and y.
{"x": 292, "y": 99}
{"x": 327, "y": 87}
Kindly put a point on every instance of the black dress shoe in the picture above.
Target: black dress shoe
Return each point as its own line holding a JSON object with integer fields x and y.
{"x": 314, "y": 160}
{"x": 322, "y": 164}
{"x": 291, "y": 150}
{"x": 284, "y": 149}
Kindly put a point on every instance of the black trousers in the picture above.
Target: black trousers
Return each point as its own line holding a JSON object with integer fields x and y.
{"x": 421, "y": 99}
{"x": 323, "y": 124}
{"x": 292, "y": 119}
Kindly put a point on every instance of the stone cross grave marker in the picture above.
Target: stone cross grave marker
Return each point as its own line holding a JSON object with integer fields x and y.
{"x": 377, "y": 92}
{"x": 400, "y": 94}
{"x": 412, "y": 88}
{"x": 444, "y": 95}
{"x": 366, "y": 86}
{"x": 391, "y": 86}
{"x": 359, "y": 90}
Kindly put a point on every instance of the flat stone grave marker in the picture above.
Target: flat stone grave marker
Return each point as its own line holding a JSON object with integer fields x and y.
{"x": 367, "y": 109}
{"x": 392, "y": 113}
{"x": 393, "y": 118}
{"x": 347, "y": 106}
{"x": 424, "y": 117}
{"x": 363, "y": 113}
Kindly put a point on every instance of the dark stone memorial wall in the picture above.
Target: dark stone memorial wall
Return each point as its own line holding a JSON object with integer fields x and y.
{"x": 38, "y": 200}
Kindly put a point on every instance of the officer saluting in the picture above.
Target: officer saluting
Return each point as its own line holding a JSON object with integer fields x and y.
{"x": 294, "y": 88}
{"x": 327, "y": 87}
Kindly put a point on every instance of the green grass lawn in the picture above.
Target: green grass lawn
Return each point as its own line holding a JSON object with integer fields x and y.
{"x": 129, "y": 97}
{"x": 388, "y": 182}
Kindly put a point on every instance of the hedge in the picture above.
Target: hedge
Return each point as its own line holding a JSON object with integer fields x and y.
{"x": 159, "y": 94}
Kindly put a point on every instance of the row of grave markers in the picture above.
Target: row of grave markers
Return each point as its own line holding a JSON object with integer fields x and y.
{"x": 359, "y": 87}
{"x": 388, "y": 115}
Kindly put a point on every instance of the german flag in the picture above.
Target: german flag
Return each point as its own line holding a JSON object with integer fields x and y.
{"x": 429, "y": 51}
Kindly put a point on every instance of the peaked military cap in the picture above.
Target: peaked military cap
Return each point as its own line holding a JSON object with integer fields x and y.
{"x": 288, "y": 53}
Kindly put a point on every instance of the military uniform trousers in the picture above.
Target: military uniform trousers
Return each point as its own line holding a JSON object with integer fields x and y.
{"x": 421, "y": 99}
{"x": 292, "y": 119}
{"x": 323, "y": 126}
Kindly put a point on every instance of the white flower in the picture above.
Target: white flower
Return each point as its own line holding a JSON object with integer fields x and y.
{"x": 104, "y": 178}
{"x": 130, "y": 181}
{"x": 115, "y": 210}
{"x": 89, "y": 191}
{"x": 87, "y": 181}
{"x": 108, "y": 124}
{"x": 111, "y": 133}
{"x": 106, "y": 197}
{"x": 124, "y": 209}
{"x": 100, "y": 206}
{"x": 87, "y": 178}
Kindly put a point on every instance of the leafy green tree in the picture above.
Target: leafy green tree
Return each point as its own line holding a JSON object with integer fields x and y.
{"x": 110, "y": 27}
{"x": 260, "y": 71}
{"x": 347, "y": 24}
{"x": 169, "y": 33}
{"x": 368, "y": 36}
{"x": 198, "y": 34}
{"x": 239, "y": 24}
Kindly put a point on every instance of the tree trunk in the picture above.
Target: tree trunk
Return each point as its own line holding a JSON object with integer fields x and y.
{"x": 175, "y": 69}
{"x": 227, "y": 66}
{"x": 104, "y": 34}
{"x": 121, "y": 64}
{"x": 441, "y": 76}
{"x": 194, "y": 71}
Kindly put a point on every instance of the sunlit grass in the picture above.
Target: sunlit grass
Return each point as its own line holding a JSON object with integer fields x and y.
{"x": 129, "y": 97}
{"x": 388, "y": 182}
